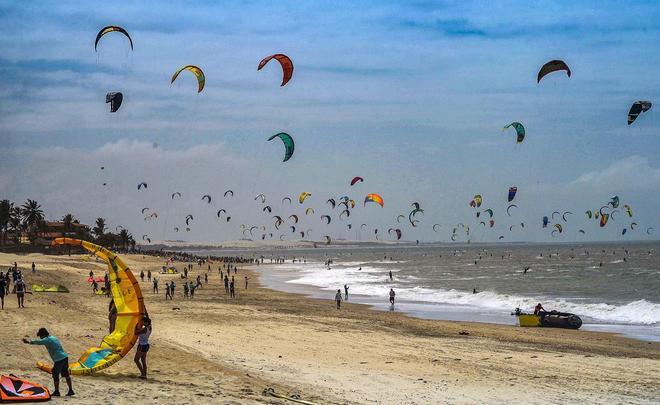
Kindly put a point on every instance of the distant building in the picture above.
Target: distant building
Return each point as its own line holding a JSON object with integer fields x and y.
{"x": 55, "y": 229}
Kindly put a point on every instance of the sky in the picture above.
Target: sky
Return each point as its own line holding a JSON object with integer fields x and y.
{"x": 411, "y": 96}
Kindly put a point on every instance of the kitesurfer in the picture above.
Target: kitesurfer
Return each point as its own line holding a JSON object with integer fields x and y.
{"x": 143, "y": 330}
{"x": 58, "y": 355}
{"x": 338, "y": 299}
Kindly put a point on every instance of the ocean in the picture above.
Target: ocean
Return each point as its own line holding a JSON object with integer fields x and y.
{"x": 612, "y": 286}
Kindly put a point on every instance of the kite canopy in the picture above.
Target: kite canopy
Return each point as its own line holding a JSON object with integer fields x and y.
{"x": 14, "y": 389}
{"x": 127, "y": 297}
{"x": 141, "y": 185}
{"x": 520, "y": 130}
{"x": 112, "y": 28}
{"x": 201, "y": 79}
{"x": 512, "y": 193}
{"x": 115, "y": 99}
{"x": 303, "y": 196}
{"x": 289, "y": 145}
{"x": 374, "y": 198}
{"x": 356, "y": 179}
{"x": 553, "y": 66}
{"x": 637, "y": 108}
{"x": 285, "y": 62}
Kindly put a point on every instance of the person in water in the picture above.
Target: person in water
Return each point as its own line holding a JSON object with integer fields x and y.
{"x": 143, "y": 331}
{"x": 392, "y": 296}
{"x": 346, "y": 291}
{"x": 338, "y": 299}
{"x": 391, "y": 275}
{"x": 538, "y": 309}
{"x": 58, "y": 355}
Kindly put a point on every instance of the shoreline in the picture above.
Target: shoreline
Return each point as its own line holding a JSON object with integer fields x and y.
{"x": 228, "y": 351}
{"x": 279, "y": 280}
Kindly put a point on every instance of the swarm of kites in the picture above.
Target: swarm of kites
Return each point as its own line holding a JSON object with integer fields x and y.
{"x": 286, "y": 217}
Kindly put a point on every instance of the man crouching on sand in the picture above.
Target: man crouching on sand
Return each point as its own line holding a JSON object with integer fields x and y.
{"x": 58, "y": 355}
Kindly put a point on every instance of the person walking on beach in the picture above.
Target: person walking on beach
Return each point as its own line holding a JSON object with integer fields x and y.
{"x": 346, "y": 291}
{"x": 142, "y": 275}
{"x": 155, "y": 285}
{"x": 206, "y": 278}
{"x": 3, "y": 289}
{"x": 20, "y": 289}
{"x": 232, "y": 291}
{"x": 95, "y": 286}
{"x": 246, "y": 282}
{"x": 143, "y": 331}
{"x": 149, "y": 275}
{"x": 185, "y": 290}
{"x": 112, "y": 316}
{"x": 58, "y": 355}
{"x": 226, "y": 284}
{"x": 34, "y": 268}
{"x": 392, "y": 295}
{"x": 338, "y": 299}
{"x": 192, "y": 287}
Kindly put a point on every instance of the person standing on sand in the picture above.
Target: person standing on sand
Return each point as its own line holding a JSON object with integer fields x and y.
{"x": 232, "y": 291}
{"x": 95, "y": 286}
{"x": 149, "y": 275}
{"x": 155, "y": 285}
{"x": 58, "y": 355}
{"x": 142, "y": 275}
{"x": 338, "y": 299}
{"x": 246, "y": 282}
{"x": 3, "y": 290}
{"x": 112, "y": 316}
{"x": 392, "y": 295}
{"x": 19, "y": 290}
{"x": 226, "y": 284}
{"x": 346, "y": 291}
{"x": 143, "y": 330}
{"x": 167, "y": 291}
{"x": 34, "y": 268}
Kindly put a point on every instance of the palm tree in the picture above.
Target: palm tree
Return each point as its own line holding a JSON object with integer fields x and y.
{"x": 15, "y": 223}
{"x": 125, "y": 238}
{"x": 33, "y": 218}
{"x": 5, "y": 215}
{"x": 99, "y": 229}
{"x": 68, "y": 220}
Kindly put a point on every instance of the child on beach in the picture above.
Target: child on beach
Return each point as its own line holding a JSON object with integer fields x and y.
{"x": 58, "y": 355}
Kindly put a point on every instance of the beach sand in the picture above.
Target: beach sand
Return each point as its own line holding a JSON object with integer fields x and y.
{"x": 216, "y": 350}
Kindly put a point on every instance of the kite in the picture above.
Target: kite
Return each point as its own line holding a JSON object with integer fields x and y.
{"x": 267, "y": 208}
{"x": 415, "y": 206}
{"x": 512, "y": 193}
{"x": 398, "y": 219}
{"x": 285, "y": 62}
{"x": 623, "y": 232}
{"x": 189, "y": 218}
{"x": 582, "y": 231}
{"x": 564, "y": 215}
{"x": 356, "y": 179}
{"x": 115, "y": 99}
{"x": 289, "y": 145}
{"x": 509, "y": 207}
{"x": 476, "y": 200}
{"x": 144, "y": 209}
{"x": 176, "y": 229}
{"x": 633, "y": 225}
{"x": 637, "y": 108}
{"x": 286, "y": 198}
{"x": 520, "y": 131}
{"x": 628, "y": 210}
{"x": 347, "y": 212}
{"x": 374, "y": 198}
{"x": 614, "y": 201}
{"x": 127, "y": 297}
{"x": 112, "y": 28}
{"x": 16, "y": 389}
{"x": 588, "y": 213}
{"x": 489, "y": 211}
{"x": 196, "y": 71}
{"x": 141, "y": 185}
{"x": 309, "y": 211}
{"x": 327, "y": 239}
{"x": 559, "y": 228}
{"x": 221, "y": 210}
{"x": 603, "y": 219}
{"x": 545, "y": 221}
{"x": 326, "y": 217}
{"x": 648, "y": 230}
{"x": 303, "y": 196}
{"x": 228, "y": 192}
{"x": 491, "y": 223}
{"x": 332, "y": 202}
{"x": 263, "y": 198}
{"x": 207, "y": 198}
{"x": 438, "y": 225}
{"x": 553, "y": 66}
{"x": 176, "y": 194}
{"x": 295, "y": 218}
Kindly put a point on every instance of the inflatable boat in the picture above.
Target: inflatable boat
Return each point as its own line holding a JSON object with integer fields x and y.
{"x": 551, "y": 319}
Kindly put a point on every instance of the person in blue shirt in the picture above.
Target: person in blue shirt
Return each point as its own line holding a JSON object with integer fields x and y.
{"x": 58, "y": 355}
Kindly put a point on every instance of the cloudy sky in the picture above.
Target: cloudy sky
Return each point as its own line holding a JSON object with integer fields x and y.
{"x": 412, "y": 96}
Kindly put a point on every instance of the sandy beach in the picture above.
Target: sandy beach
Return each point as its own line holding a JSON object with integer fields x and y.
{"x": 217, "y": 350}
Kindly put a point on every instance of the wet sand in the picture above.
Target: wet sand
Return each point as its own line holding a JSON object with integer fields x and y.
{"x": 217, "y": 350}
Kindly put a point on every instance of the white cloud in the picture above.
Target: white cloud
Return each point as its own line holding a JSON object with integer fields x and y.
{"x": 630, "y": 173}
